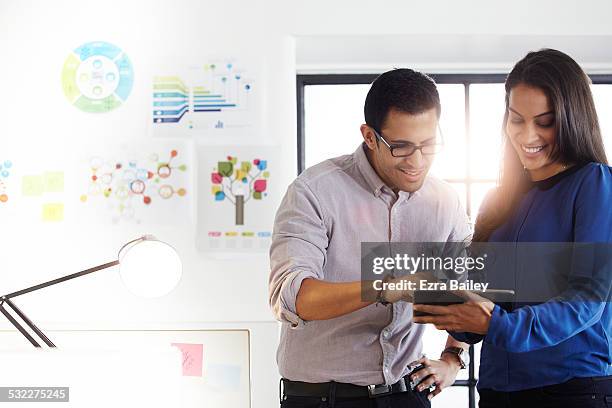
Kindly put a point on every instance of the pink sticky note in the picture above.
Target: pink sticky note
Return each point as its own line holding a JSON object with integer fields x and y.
{"x": 192, "y": 358}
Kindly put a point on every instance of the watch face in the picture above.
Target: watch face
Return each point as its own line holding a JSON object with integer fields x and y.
{"x": 462, "y": 355}
{"x": 465, "y": 357}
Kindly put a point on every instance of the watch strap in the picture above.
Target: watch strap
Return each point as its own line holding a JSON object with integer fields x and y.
{"x": 459, "y": 352}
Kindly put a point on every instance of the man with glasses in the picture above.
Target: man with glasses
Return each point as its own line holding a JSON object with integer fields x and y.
{"x": 337, "y": 347}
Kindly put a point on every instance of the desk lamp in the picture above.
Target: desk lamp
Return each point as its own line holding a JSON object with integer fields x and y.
{"x": 148, "y": 268}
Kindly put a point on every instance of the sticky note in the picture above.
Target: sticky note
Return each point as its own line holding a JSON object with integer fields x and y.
{"x": 192, "y": 358}
{"x": 32, "y": 186}
{"x": 53, "y": 181}
{"x": 53, "y": 212}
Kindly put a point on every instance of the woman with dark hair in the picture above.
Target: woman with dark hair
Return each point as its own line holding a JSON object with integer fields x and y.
{"x": 555, "y": 186}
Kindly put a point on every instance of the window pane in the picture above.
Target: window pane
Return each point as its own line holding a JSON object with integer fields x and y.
{"x": 333, "y": 114}
{"x": 433, "y": 343}
{"x": 487, "y": 108}
{"x": 602, "y": 94}
{"x": 451, "y": 162}
{"x": 462, "y": 192}
{"x": 478, "y": 193}
{"x": 452, "y": 397}
{"x": 477, "y": 348}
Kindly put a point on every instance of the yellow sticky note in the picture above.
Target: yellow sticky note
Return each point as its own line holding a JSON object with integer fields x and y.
{"x": 32, "y": 185}
{"x": 54, "y": 182}
{"x": 53, "y": 212}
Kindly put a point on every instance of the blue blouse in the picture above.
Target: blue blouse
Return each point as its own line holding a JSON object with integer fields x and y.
{"x": 555, "y": 341}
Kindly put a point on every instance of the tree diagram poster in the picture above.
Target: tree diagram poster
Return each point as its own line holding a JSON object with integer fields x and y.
{"x": 237, "y": 197}
{"x": 216, "y": 98}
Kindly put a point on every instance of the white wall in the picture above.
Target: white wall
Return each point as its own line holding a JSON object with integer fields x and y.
{"x": 38, "y": 125}
{"x": 41, "y": 128}
{"x": 36, "y": 36}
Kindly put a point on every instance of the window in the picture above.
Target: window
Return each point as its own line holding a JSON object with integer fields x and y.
{"x": 330, "y": 111}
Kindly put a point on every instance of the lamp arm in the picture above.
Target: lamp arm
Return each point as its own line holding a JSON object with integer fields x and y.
{"x": 59, "y": 280}
{"x": 5, "y": 299}
{"x": 28, "y": 322}
{"x": 18, "y": 326}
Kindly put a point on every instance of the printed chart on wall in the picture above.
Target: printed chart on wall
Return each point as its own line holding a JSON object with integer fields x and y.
{"x": 5, "y": 172}
{"x": 217, "y": 98}
{"x": 97, "y": 77}
{"x": 7, "y": 189}
{"x": 237, "y": 196}
{"x": 146, "y": 183}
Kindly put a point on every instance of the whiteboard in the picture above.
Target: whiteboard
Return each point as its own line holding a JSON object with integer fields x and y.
{"x": 221, "y": 378}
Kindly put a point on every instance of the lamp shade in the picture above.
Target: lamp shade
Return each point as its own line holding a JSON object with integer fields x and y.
{"x": 150, "y": 268}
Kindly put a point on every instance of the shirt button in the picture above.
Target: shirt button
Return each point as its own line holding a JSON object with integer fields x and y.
{"x": 386, "y": 334}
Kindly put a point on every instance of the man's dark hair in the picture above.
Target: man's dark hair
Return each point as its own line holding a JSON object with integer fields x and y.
{"x": 403, "y": 90}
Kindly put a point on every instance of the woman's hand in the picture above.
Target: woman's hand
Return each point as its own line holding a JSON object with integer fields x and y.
{"x": 441, "y": 373}
{"x": 473, "y": 316}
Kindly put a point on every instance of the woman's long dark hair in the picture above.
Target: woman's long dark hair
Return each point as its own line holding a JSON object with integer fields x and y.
{"x": 577, "y": 140}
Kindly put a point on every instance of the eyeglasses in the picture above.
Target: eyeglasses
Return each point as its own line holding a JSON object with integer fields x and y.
{"x": 408, "y": 149}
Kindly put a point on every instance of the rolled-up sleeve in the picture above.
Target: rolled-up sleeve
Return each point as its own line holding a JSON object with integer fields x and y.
{"x": 298, "y": 250}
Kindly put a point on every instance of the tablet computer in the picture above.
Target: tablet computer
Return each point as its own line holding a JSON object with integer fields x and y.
{"x": 448, "y": 297}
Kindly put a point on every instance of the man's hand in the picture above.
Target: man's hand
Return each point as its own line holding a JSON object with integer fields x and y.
{"x": 406, "y": 295}
{"x": 441, "y": 373}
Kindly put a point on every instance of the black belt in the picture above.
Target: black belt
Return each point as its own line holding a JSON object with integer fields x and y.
{"x": 343, "y": 390}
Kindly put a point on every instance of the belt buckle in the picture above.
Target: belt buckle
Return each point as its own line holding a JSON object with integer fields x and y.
{"x": 375, "y": 391}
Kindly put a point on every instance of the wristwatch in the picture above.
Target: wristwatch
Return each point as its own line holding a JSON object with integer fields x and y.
{"x": 462, "y": 355}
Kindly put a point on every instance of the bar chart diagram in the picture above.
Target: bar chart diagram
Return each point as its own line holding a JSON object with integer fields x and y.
{"x": 203, "y": 99}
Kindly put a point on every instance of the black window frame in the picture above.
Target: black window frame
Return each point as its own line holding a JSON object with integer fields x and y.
{"x": 466, "y": 79}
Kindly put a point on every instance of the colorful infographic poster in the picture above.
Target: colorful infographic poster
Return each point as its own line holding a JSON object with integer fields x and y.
{"x": 205, "y": 99}
{"x": 144, "y": 184}
{"x": 237, "y": 197}
{"x": 97, "y": 77}
{"x": 6, "y": 168}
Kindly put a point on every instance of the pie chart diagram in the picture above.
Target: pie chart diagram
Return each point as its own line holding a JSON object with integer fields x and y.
{"x": 97, "y": 77}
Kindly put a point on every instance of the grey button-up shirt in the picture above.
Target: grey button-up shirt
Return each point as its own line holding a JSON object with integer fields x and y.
{"x": 325, "y": 215}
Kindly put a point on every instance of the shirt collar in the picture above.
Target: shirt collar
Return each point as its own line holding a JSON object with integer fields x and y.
{"x": 370, "y": 176}
{"x": 550, "y": 182}
{"x": 373, "y": 180}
